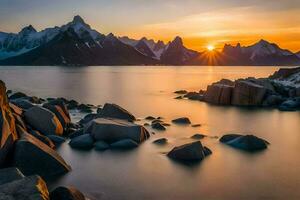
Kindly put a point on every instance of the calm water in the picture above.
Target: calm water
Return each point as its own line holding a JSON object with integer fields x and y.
{"x": 146, "y": 173}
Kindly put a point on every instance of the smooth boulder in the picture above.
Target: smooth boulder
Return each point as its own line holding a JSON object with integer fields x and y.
{"x": 112, "y": 130}
{"x": 189, "y": 152}
{"x": 124, "y": 144}
{"x": 60, "y": 110}
{"x": 84, "y": 141}
{"x": 66, "y": 193}
{"x": 43, "y": 120}
{"x": 57, "y": 140}
{"x": 32, "y": 156}
{"x": 115, "y": 111}
{"x": 10, "y": 174}
{"x": 161, "y": 141}
{"x": 245, "y": 142}
{"x": 101, "y": 146}
{"x": 181, "y": 120}
{"x": 158, "y": 126}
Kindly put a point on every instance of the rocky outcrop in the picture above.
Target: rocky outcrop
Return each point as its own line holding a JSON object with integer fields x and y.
{"x": 66, "y": 193}
{"x": 181, "y": 120}
{"x": 219, "y": 93}
{"x": 113, "y": 130}
{"x": 43, "y": 120}
{"x": 84, "y": 141}
{"x": 189, "y": 152}
{"x": 10, "y": 174}
{"x": 8, "y": 134}
{"x": 32, "y": 156}
{"x": 115, "y": 111}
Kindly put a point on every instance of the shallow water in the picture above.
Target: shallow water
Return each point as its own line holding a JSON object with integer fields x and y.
{"x": 146, "y": 173}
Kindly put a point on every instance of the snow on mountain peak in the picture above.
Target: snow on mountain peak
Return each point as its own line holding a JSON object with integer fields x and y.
{"x": 78, "y": 19}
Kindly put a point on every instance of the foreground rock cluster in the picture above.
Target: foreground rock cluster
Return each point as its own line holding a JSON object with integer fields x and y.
{"x": 281, "y": 90}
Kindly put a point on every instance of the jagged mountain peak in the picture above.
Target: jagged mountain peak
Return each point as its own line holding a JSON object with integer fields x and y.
{"x": 78, "y": 19}
{"x": 178, "y": 40}
{"x": 28, "y": 29}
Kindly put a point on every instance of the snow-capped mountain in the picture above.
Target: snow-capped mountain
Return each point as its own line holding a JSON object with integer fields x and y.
{"x": 298, "y": 54}
{"x": 144, "y": 48}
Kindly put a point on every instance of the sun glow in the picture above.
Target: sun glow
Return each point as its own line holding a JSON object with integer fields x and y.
{"x": 210, "y": 47}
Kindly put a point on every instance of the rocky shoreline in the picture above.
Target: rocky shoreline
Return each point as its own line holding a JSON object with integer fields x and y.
{"x": 281, "y": 90}
{"x": 32, "y": 128}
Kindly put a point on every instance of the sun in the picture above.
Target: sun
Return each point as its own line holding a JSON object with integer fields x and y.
{"x": 210, "y": 47}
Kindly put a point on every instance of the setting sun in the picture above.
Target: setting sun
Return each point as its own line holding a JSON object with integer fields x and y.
{"x": 210, "y": 47}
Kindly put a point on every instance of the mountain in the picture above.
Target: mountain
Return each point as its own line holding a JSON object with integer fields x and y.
{"x": 177, "y": 54}
{"x": 77, "y": 44}
{"x": 298, "y": 54}
{"x": 143, "y": 47}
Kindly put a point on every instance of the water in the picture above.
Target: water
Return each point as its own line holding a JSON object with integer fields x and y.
{"x": 146, "y": 173}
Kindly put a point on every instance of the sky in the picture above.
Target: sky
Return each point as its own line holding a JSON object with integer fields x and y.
{"x": 199, "y": 22}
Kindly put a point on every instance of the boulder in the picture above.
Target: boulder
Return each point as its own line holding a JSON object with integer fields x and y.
{"x": 43, "y": 120}
{"x": 245, "y": 142}
{"x": 8, "y": 133}
{"x": 246, "y": 93}
{"x": 72, "y": 104}
{"x": 219, "y": 94}
{"x": 57, "y": 140}
{"x": 76, "y": 133}
{"x": 10, "y": 174}
{"x": 84, "y": 141}
{"x": 112, "y": 130}
{"x": 101, "y": 146}
{"x": 150, "y": 118}
{"x": 273, "y": 100}
{"x": 22, "y": 103}
{"x": 41, "y": 137}
{"x": 32, "y": 156}
{"x": 194, "y": 96}
{"x": 289, "y": 105}
{"x": 180, "y": 92}
{"x": 115, "y": 111}
{"x": 124, "y": 144}
{"x": 87, "y": 118}
{"x": 189, "y": 152}
{"x": 66, "y": 193}
{"x": 181, "y": 120}
{"x": 161, "y": 141}
{"x": 17, "y": 95}
{"x": 198, "y": 136}
{"x": 15, "y": 109}
{"x": 27, "y": 188}
{"x": 158, "y": 126}
{"x": 84, "y": 108}
{"x": 60, "y": 110}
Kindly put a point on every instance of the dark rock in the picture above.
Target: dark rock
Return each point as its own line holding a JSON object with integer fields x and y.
{"x": 189, "y": 152}
{"x": 99, "y": 110}
{"x": 76, "y": 133}
{"x": 156, "y": 121}
{"x": 273, "y": 100}
{"x": 112, "y": 130}
{"x": 43, "y": 120}
{"x": 72, "y": 104}
{"x": 244, "y": 142}
{"x": 146, "y": 124}
{"x": 290, "y": 105}
{"x": 57, "y": 140}
{"x": 84, "y": 108}
{"x": 34, "y": 157}
{"x": 198, "y": 136}
{"x": 59, "y": 108}
{"x": 194, "y": 96}
{"x": 101, "y": 146}
{"x": 124, "y": 144}
{"x": 88, "y": 118}
{"x": 66, "y": 193}
{"x": 28, "y": 188}
{"x": 115, "y": 111}
{"x": 22, "y": 103}
{"x": 178, "y": 97}
{"x": 10, "y": 174}
{"x": 161, "y": 141}
{"x": 35, "y": 100}
{"x": 180, "y": 92}
{"x": 158, "y": 126}
{"x": 150, "y": 118}
{"x": 219, "y": 94}
{"x": 17, "y": 95}
{"x": 84, "y": 141}
{"x": 196, "y": 125}
{"x": 181, "y": 120}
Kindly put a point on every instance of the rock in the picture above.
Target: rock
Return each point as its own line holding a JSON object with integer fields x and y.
{"x": 195, "y": 125}
{"x": 34, "y": 157}
{"x": 66, "y": 193}
{"x": 246, "y": 93}
{"x": 76, "y": 133}
{"x": 156, "y": 121}
{"x": 101, "y": 145}
{"x": 17, "y": 95}
{"x": 178, "y": 97}
{"x": 87, "y": 118}
{"x": 35, "y": 100}
{"x": 115, "y": 111}
{"x": 27, "y": 188}
{"x": 150, "y": 118}
{"x": 112, "y": 130}
{"x": 166, "y": 124}
{"x": 198, "y": 136}
{"x": 161, "y": 141}
{"x": 15, "y": 109}
{"x": 244, "y": 142}
{"x": 158, "y": 126}
{"x": 10, "y": 174}
{"x": 283, "y": 73}
{"x": 189, "y": 152}
{"x": 194, "y": 96}
{"x": 273, "y": 100}
{"x": 22, "y": 103}
{"x": 181, "y": 120}
{"x": 43, "y": 120}
{"x": 289, "y": 105}
{"x": 57, "y": 140}
{"x": 19, "y": 121}
{"x": 72, "y": 104}
{"x": 180, "y": 92}
{"x": 84, "y": 108}
{"x": 146, "y": 124}
{"x": 8, "y": 133}
{"x": 124, "y": 144}
{"x": 219, "y": 94}
{"x": 84, "y": 141}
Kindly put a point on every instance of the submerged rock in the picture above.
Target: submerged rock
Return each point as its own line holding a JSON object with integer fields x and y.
{"x": 43, "y": 120}
{"x": 66, "y": 193}
{"x": 57, "y": 140}
{"x": 189, "y": 152}
{"x": 124, "y": 144}
{"x": 244, "y": 142}
{"x": 34, "y": 157}
{"x": 198, "y": 136}
{"x": 181, "y": 92}
{"x": 115, "y": 111}
{"x": 150, "y": 118}
{"x": 158, "y": 126}
{"x": 84, "y": 141}
{"x": 112, "y": 130}
{"x": 181, "y": 120}
{"x": 101, "y": 145}
{"x": 161, "y": 141}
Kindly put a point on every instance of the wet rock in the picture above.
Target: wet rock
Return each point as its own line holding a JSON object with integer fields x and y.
{"x": 22, "y": 103}
{"x": 219, "y": 94}
{"x": 158, "y": 126}
{"x": 273, "y": 100}
{"x": 10, "y": 174}
{"x": 88, "y": 118}
{"x": 124, "y": 144}
{"x": 161, "y": 141}
{"x": 195, "y": 125}
{"x": 43, "y": 120}
{"x": 35, "y": 100}
{"x": 27, "y": 188}
{"x": 66, "y": 193}
{"x": 72, "y": 104}
{"x": 76, "y": 133}
{"x": 166, "y": 124}
{"x": 180, "y": 92}
{"x": 59, "y": 108}
{"x": 84, "y": 108}
{"x": 156, "y": 121}
{"x": 17, "y": 95}
{"x": 150, "y": 118}
{"x": 146, "y": 124}
{"x": 57, "y": 140}
{"x": 290, "y": 105}
{"x": 178, "y": 97}
{"x": 194, "y": 96}
{"x": 101, "y": 146}
{"x": 198, "y": 136}
{"x": 99, "y": 110}
{"x": 112, "y": 130}
{"x": 116, "y": 111}
{"x": 189, "y": 152}
{"x": 181, "y": 120}
{"x": 245, "y": 142}
{"x": 34, "y": 157}
{"x": 84, "y": 141}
